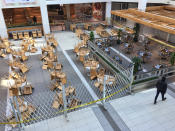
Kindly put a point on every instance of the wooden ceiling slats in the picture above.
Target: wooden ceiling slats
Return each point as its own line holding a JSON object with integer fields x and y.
{"x": 157, "y": 21}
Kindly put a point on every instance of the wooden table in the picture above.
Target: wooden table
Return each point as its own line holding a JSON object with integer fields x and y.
{"x": 47, "y": 49}
{"x": 83, "y": 51}
{"x": 91, "y": 64}
{"x": 59, "y": 75}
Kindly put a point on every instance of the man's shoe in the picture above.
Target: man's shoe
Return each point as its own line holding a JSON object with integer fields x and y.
{"x": 155, "y": 103}
{"x": 164, "y": 99}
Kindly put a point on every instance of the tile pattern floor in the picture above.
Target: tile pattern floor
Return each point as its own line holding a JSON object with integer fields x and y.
{"x": 3, "y": 90}
{"x": 82, "y": 120}
{"x": 137, "y": 111}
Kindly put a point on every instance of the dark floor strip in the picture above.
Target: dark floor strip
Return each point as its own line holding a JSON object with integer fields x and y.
{"x": 116, "y": 118}
{"x": 171, "y": 93}
{"x": 102, "y": 119}
{"x": 171, "y": 87}
{"x": 109, "y": 118}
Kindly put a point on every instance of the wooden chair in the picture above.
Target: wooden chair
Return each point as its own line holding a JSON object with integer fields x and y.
{"x": 26, "y": 34}
{"x": 20, "y": 35}
{"x": 14, "y": 91}
{"x": 74, "y": 102}
{"x": 93, "y": 73}
{"x": 76, "y": 49}
{"x": 34, "y": 34}
{"x": 58, "y": 66}
{"x": 39, "y": 33}
{"x": 50, "y": 65}
{"x": 27, "y": 90}
{"x": 24, "y": 69}
{"x": 14, "y": 34}
{"x": 33, "y": 50}
{"x": 64, "y": 80}
{"x": 24, "y": 57}
{"x": 81, "y": 58}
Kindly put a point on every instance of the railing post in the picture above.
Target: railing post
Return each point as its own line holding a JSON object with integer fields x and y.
{"x": 64, "y": 102}
{"x": 19, "y": 113}
{"x": 14, "y": 111}
{"x": 104, "y": 91}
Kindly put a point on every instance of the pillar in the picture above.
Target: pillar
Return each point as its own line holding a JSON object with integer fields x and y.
{"x": 44, "y": 16}
{"x": 3, "y": 27}
{"x": 108, "y": 12}
{"x": 142, "y": 5}
{"x": 68, "y": 11}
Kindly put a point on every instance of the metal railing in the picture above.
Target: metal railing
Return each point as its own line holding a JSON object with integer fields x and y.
{"x": 117, "y": 67}
{"x": 154, "y": 73}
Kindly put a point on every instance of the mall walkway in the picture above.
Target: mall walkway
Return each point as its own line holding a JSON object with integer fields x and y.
{"x": 135, "y": 112}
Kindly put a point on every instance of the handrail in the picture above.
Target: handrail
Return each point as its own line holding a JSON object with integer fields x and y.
{"x": 154, "y": 73}
{"x": 126, "y": 72}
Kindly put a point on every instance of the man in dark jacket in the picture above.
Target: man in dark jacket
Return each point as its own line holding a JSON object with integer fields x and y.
{"x": 34, "y": 20}
{"x": 161, "y": 88}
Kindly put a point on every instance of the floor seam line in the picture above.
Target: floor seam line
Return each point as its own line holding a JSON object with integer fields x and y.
{"x": 85, "y": 83}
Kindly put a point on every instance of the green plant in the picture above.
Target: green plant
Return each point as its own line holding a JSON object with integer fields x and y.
{"x": 172, "y": 58}
{"x": 119, "y": 36}
{"x": 136, "y": 32}
{"x": 91, "y": 36}
{"x": 137, "y": 63}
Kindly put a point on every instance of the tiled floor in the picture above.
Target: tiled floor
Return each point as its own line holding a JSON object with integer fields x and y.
{"x": 82, "y": 120}
{"x": 139, "y": 112}
{"x": 66, "y": 39}
{"x": 136, "y": 111}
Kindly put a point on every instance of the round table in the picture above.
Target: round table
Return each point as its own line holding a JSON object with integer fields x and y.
{"x": 83, "y": 52}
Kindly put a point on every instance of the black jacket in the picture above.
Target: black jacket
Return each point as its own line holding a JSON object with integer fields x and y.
{"x": 161, "y": 86}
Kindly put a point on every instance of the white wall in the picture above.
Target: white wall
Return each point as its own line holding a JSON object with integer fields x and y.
{"x": 52, "y": 2}
{"x": 19, "y": 5}
{"x": 149, "y": 1}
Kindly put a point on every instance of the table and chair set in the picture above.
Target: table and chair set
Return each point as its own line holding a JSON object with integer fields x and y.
{"x": 18, "y": 82}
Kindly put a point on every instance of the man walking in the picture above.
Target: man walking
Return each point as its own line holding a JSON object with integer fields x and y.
{"x": 34, "y": 20}
{"x": 161, "y": 88}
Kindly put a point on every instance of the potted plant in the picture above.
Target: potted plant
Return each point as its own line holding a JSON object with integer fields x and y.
{"x": 137, "y": 64}
{"x": 91, "y": 36}
{"x": 136, "y": 32}
{"x": 172, "y": 58}
{"x": 119, "y": 36}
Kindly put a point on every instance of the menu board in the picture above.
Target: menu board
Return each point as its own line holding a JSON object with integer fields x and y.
{"x": 19, "y": 1}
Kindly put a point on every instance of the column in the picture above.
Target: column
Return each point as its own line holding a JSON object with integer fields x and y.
{"x": 44, "y": 15}
{"x": 68, "y": 11}
{"x": 108, "y": 12}
{"x": 3, "y": 27}
{"x": 142, "y": 5}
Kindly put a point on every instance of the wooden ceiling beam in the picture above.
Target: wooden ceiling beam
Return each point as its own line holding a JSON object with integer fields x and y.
{"x": 154, "y": 16}
{"x": 144, "y": 22}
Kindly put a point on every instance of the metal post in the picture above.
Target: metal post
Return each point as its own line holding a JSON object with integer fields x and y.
{"x": 104, "y": 90}
{"x": 14, "y": 111}
{"x": 19, "y": 113}
{"x": 64, "y": 101}
{"x": 131, "y": 79}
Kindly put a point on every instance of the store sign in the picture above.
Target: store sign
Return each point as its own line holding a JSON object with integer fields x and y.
{"x": 19, "y": 1}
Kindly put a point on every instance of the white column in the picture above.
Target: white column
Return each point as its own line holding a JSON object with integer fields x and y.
{"x": 142, "y": 5}
{"x": 44, "y": 15}
{"x": 3, "y": 27}
{"x": 68, "y": 11}
{"x": 108, "y": 12}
